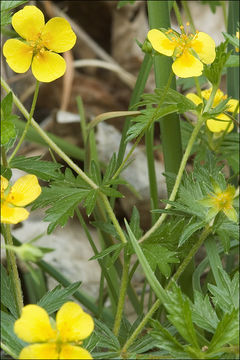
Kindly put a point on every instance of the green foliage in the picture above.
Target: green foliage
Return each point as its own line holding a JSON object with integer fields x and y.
{"x": 122, "y": 3}
{"x": 8, "y": 132}
{"x": 8, "y": 336}
{"x": 159, "y": 256}
{"x": 213, "y": 4}
{"x": 203, "y": 313}
{"x": 213, "y": 72}
{"x": 232, "y": 39}
{"x": 55, "y": 298}
{"x": 6, "y": 7}
{"x": 226, "y": 296}
{"x": 44, "y": 170}
{"x": 7, "y": 298}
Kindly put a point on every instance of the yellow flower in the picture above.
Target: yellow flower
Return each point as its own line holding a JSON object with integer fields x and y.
{"x": 58, "y": 342}
{"x": 189, "y": 51}
{"x": 237, "y": 36}
{"x": 41, "y": 44}
{"x": 13, "y": 199}
{"x": 213, "y": 125}
{"x": 221, "y": 200}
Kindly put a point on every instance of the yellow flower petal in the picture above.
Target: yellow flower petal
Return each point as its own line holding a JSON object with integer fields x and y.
{"x": 187, "y": 65}
{"x": 48, "y": 66}
{"x": 4, "y": 183}
{"x": 39, "y": 351}
{"x": 160, "y": 42}
{"x": 204, "y": 46}
{"x": 12, "y": 215}
{"x": 25, "y": 190}
{"x": 218, "y": 97}
{"x": 34, "y": 325}
{"x": 217, "y": 126}
{"x": 73, "y": 323}
{"x": 18, "y": 55}
{"x": 58, "y": 36}
{"x": 28, "y": 22}
{"x": 232, "y": 103}
{"x": 74, "y": 352}
{"x": 194, "y": 98}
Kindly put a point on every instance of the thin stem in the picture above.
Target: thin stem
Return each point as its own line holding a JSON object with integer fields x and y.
{"x": 28, "y": 121}
{"x": 47, "y": 139}
{"x": 211, "y": 98}
{"x": 224, "y": 8}
{"x": 189, "y": 15}
{"x": 113, "y": 217}
{"x": 178, "y": 179}
{"x": 198, "y": 88}
{"x": 206, "y": 231}
{"x": 177, "y": 13}
{"x": 122, "y": 294}
{"x": 4, "y": 157}
{"x": 152, "y": 172}
{"x": 158, "y": 12}
{"x": 12, "y": 269}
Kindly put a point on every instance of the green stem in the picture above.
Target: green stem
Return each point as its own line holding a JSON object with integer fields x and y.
{"x": 198, "y": 88}
{"x": 4, "y": 157}
{"x": 12, "y": 269}
{"x": 113, "y": 218}
{"x": 69, "y": 162}
{"x": 28, "y": 121}
{"x": 47, "y": 139}
{"x": 206, "y": 231}
{"x": 170, "y": 126}
{"x": 178, "y": 179}
{"x": 151, "y": 172}
{"x": 177, "y": 13}
{"x": 8, "y": 351}
{"x": 189, "y": 15}
{"x": 122, "y": 293}
{"x": 224, "y": 8}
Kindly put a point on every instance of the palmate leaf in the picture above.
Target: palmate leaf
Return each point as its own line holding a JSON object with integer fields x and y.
{"x": 106, "y": 337}
{"x": 167, "y": 341}
{"x": 8, "y": 336}
{"x": 227, "y": 332}
{"x": 159, "y": 256}
{"x": 55, "y": 298}
{"x": 203, "y": 314}
{"x": 180, "y": 315}
{"x": 226, "y": 297}
{"x": 7, "y": 298}
{"x": 45, "y": 170}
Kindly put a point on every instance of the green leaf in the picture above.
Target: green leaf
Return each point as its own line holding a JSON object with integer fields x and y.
{"x": 111, "y": 168}
{"x": 227, "y": 332}
{"x": 226, "y": 297}
{"x": 232, "y": 39}
{"x": 8, "y": 131}
{"x": 180, "y": 315}
{"x": 55, "y": 298}
{"x": 44, "y": 170}
{"x": 8, "y": 336}
{"x": 63, "y": 209}
{"x": 190, "y": 229}
{"x": 153, "y": 281}
{"x": 9, "y": 5}
{"x": 166, "y": 341}
{"x": 90, "y": 201}
{"x": 233, "y": 61}
{"x": 107, "y": 251}
{"x": 212, "y": 4}
{"x": 6, "y": 105}
{"x": 135, "y": 223}
{"x": 144, "y": 344}
{"x": 7, "y": 298}
{"x": 122, "y": 3}
{"x": 107, "y": 338}
{"x": 203, "y": 314}
{"x": 111, "y": 192}
{"x": 159, "y": 256}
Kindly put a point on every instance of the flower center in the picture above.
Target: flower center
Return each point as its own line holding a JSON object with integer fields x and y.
{"x": 223, "y": 200}
{"x": 183, "y": 42}
{"x": 37, "y": 45}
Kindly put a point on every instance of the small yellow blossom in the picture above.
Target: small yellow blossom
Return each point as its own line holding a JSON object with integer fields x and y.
{"x": 40, "y": 45}
{"x": 13, "y": 198}
{"x": 60, "y": 341}
{"x": 237, "y": 36}
{"x": 189, "y": 51}
{"x": 221, "y": 200}
{"x": 213, "y": 125}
